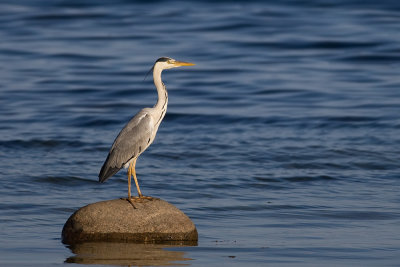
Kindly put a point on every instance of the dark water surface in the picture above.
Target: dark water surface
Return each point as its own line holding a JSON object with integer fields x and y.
{"x": 282, "y": 143}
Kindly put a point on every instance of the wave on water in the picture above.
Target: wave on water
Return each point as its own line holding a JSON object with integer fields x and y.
{"x": 64, "y": 180}
{"x": 39, "y": 143}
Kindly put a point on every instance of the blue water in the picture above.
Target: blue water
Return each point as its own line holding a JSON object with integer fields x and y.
{"x": 282, "y": 143}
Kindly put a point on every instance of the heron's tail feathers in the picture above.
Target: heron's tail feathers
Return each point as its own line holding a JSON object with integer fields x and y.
{"x": 104, "y": 175}
{"x": 107, "y": 171}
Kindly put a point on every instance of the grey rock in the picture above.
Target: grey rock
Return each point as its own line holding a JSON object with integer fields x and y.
{"x": 143, "y": 220}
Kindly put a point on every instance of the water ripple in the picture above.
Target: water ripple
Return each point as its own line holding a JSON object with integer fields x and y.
{"x": 284, "y": 137}
{"x": 38, "y": 143}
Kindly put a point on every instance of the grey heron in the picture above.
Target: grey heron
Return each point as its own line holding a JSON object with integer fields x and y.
{"x": 140, "y": 131}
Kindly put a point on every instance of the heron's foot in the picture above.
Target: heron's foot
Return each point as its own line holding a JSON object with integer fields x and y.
{"x": 135, "y": 199}
{"x": 145, "y": 197}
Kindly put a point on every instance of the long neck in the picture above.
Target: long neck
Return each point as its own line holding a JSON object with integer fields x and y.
{"x": 162, "y": 102}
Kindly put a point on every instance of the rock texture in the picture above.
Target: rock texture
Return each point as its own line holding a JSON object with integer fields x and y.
{"x": 143, "y": 220}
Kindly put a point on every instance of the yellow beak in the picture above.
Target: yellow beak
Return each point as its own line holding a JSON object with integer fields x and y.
{"x": 181, "y": 63}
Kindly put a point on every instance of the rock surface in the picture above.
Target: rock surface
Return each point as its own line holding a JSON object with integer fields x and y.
{"x": 143, "y": 220}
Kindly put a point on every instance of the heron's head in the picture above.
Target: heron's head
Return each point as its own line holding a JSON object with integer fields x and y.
{"x": 166, "y": 63}
{"x": 169, "y": 63}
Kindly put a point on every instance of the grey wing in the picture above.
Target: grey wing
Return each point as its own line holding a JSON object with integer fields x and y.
{"x": 134, "y": 138}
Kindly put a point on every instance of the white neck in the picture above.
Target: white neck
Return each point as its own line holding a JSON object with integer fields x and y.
{"x": 162, "y": 101}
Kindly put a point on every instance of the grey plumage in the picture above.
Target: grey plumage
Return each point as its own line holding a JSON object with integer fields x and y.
{"x": 140, "y": 131}
{"x": 134, "y": 138}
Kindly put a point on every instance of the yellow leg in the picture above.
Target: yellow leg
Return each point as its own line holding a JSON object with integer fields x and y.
{"x": 134, "y": 177}
{"x": 129, "y": 181}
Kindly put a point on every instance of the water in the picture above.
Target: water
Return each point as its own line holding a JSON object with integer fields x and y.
{"x": 282, "y": 143}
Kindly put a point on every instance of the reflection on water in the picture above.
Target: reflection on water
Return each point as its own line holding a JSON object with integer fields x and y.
{"x": 127, "y": 254}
